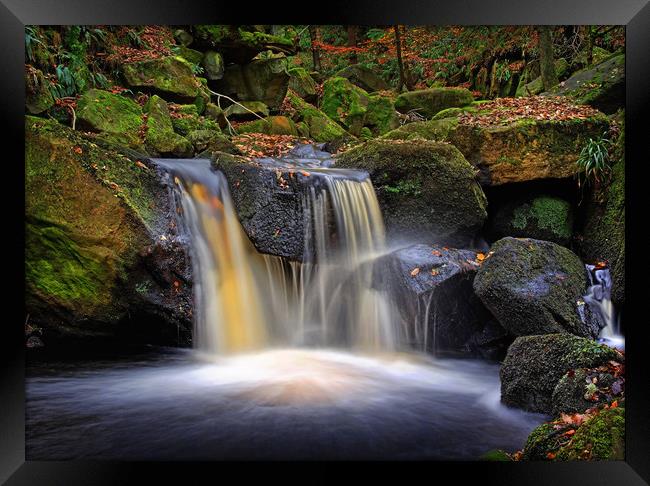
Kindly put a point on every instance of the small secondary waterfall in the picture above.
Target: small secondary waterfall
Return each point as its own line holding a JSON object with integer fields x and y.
{"x": 245, "y": 300}
{"x": 599, "y": 299}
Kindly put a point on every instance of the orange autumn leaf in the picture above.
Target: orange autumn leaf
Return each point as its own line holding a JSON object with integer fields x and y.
{"x": 550, "y": 456}
{"x": 78, "y": 150}
{"x": 415, "y": 271}
{"x": 436, "y": 253}
{"x": 480, "y": 257}
{"x": 614, "y": 404}
{"x": 434, "y": 272}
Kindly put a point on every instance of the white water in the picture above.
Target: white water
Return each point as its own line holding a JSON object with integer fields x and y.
{"x": 598, "y": 297}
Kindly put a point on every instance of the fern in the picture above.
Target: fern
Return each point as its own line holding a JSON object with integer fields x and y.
{"x": 594, "y": 159}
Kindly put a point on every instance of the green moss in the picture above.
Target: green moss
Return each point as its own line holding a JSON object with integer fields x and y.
{"x": 345, "y": 103}
{"x": 429, "y": 102}
{"x": 116, "y": 116}
{"x": 169, "y": 75}
{"x": 321, "y": 127}
{"x": 546, "y": 213}
{"x": 160, "y": 136}
{"x": 495, "y": 455}
{"x": 601, "y": 438}
{"x": 380, "y": 115}
{"x": 272, "y": 125}
{"x": 302, "y": 83}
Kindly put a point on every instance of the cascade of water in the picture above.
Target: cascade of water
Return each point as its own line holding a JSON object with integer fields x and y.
{"x": 245, "y": 300}
{"x": 598, "y": 297}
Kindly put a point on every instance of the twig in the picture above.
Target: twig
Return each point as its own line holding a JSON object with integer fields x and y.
{"x": 219, "y": 95}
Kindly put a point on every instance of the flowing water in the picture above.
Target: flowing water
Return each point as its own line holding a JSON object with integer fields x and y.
{"x": 599, "y": 299}
{"x": 291, "y": 360}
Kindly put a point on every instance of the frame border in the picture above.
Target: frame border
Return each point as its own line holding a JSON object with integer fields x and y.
{"x": 635, "y": 14}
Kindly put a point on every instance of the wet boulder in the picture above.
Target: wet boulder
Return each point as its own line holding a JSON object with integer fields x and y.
{"x": 427, "y": 190}
{"x": 432, "y": 289}
{"x": 168, "y": 76}
{"x": 100, "y": 260}
{"x": 601, "y": 86}
{"x": 264, "y": 80}
{"x": 541, "y": 217}
{"x": 517, "y": 151}
{"x": 428, "y": 102}
{"x": 536, "y": 287}
{"x": 534, "y": 365}
{"x": 116, "y": 117}
{"x": 269, "y": 202}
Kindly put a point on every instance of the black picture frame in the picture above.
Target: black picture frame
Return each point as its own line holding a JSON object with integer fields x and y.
{"x": 15, "y": 14}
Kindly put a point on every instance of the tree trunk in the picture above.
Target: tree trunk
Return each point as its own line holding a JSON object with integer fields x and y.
{"x": 314, "y": 36}
{"x": 590, "y": 45}
{"x": 400, "y": 65}
{"x": 546, "y": 59}
{"x": 353, "y": 34}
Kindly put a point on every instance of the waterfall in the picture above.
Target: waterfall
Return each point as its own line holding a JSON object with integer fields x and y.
{"x": 598, "y": 297}
{"x": 245, "y": 300}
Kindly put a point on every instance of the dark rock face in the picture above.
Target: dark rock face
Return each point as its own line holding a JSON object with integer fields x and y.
{"x": 428, "y": 102}
{"x": 269, "y": 203}
{"x": 363, "y": 77}
{"x": 439, "y": 309}
{"x": 427, "y": 190}
{"x": 602, "y": 86}
{"x": 260, "y": 80}
{"x": 535, "y": 364}
{"x": 536, "y": 287}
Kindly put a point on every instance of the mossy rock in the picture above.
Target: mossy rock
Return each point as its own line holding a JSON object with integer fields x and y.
{"x": 321, "y": 128}
{"x": 187, "y": 120}
{"x": 183, "y": 37}
{"x": 428, "y": 102}
{"x": 169, "y": 76}
{"x": 37, "y": 94}
{"x": 380, "y": 116}
{"x": 272, "y": 125}
{"x": 535, "y": 364}
{"x": 213, "y": 65}
{"x": 604, "y": 229}
{"x": 242, "y": 111}
{"x": 495, "y": 455}
{"x": 363, "y": 77}
{"x": 190, "y": 55}
{"x": 522, "y": 150}
{"x": 264, "y": 80}
{"x": 536, "y": 86}
{"x": 601, "y": 86}
{"x": 536, "y": 287}
{"x": 117, "y": 117}
{"x": 160, "y": 137}
{"x": 302, "y": 84}
{"x": 211, "y": 141}
{"x": 600, "y": 438}
{"x": 426, "y": 190}
{"x": 345, "y": 103}
{"x": 540, "y": 217}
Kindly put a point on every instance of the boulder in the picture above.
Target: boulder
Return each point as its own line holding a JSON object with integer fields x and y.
{"x": 168, "y": 76}
{"x": 363, "y": 77}
{"x": 264, "y": 80}
{"x": 542, "y": 217}
{"x": 116, "y": 117}
{"x": 272, "y": 125}
{"x": 185, "y": 119}
{"x": 536, "y": 86}
{"x": 345, "y": 103}
{"x": 101, "y": 263}
{"x": 319, "y": 126}
{"x": 440, "y": 312}
{"x": 535, "y": 364}
{"x": 426, "y": 190}
{"x": 303, "y": 84}
{"x": 37, "y": 94}
{"x": 269, "y": 203}
{"x": 160, "y": 138}
{"x": 212, "y": 141}
{"x": 183, "y": 37}
{"x": 381, "y": 116}
{"x": 601, "y": 86}
{"x": 536, "y": 287}
{"x": 213, "y": 65}
{"x": 583, "y": 388}
{"x": 521, "y": 150}
{"x": 242, "y": 111}
{"x": 190, "y": 55}
{"x": 428, "y": 102}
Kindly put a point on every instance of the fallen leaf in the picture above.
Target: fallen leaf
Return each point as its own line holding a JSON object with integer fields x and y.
{"x": 415, "y": 271}
{"x": 78, "y": 150}
{"x": 480, "y": 257}
{"x": 436, "y": 253}
{"x": 550, "y": 456}
{"x": 434, "y": 272}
